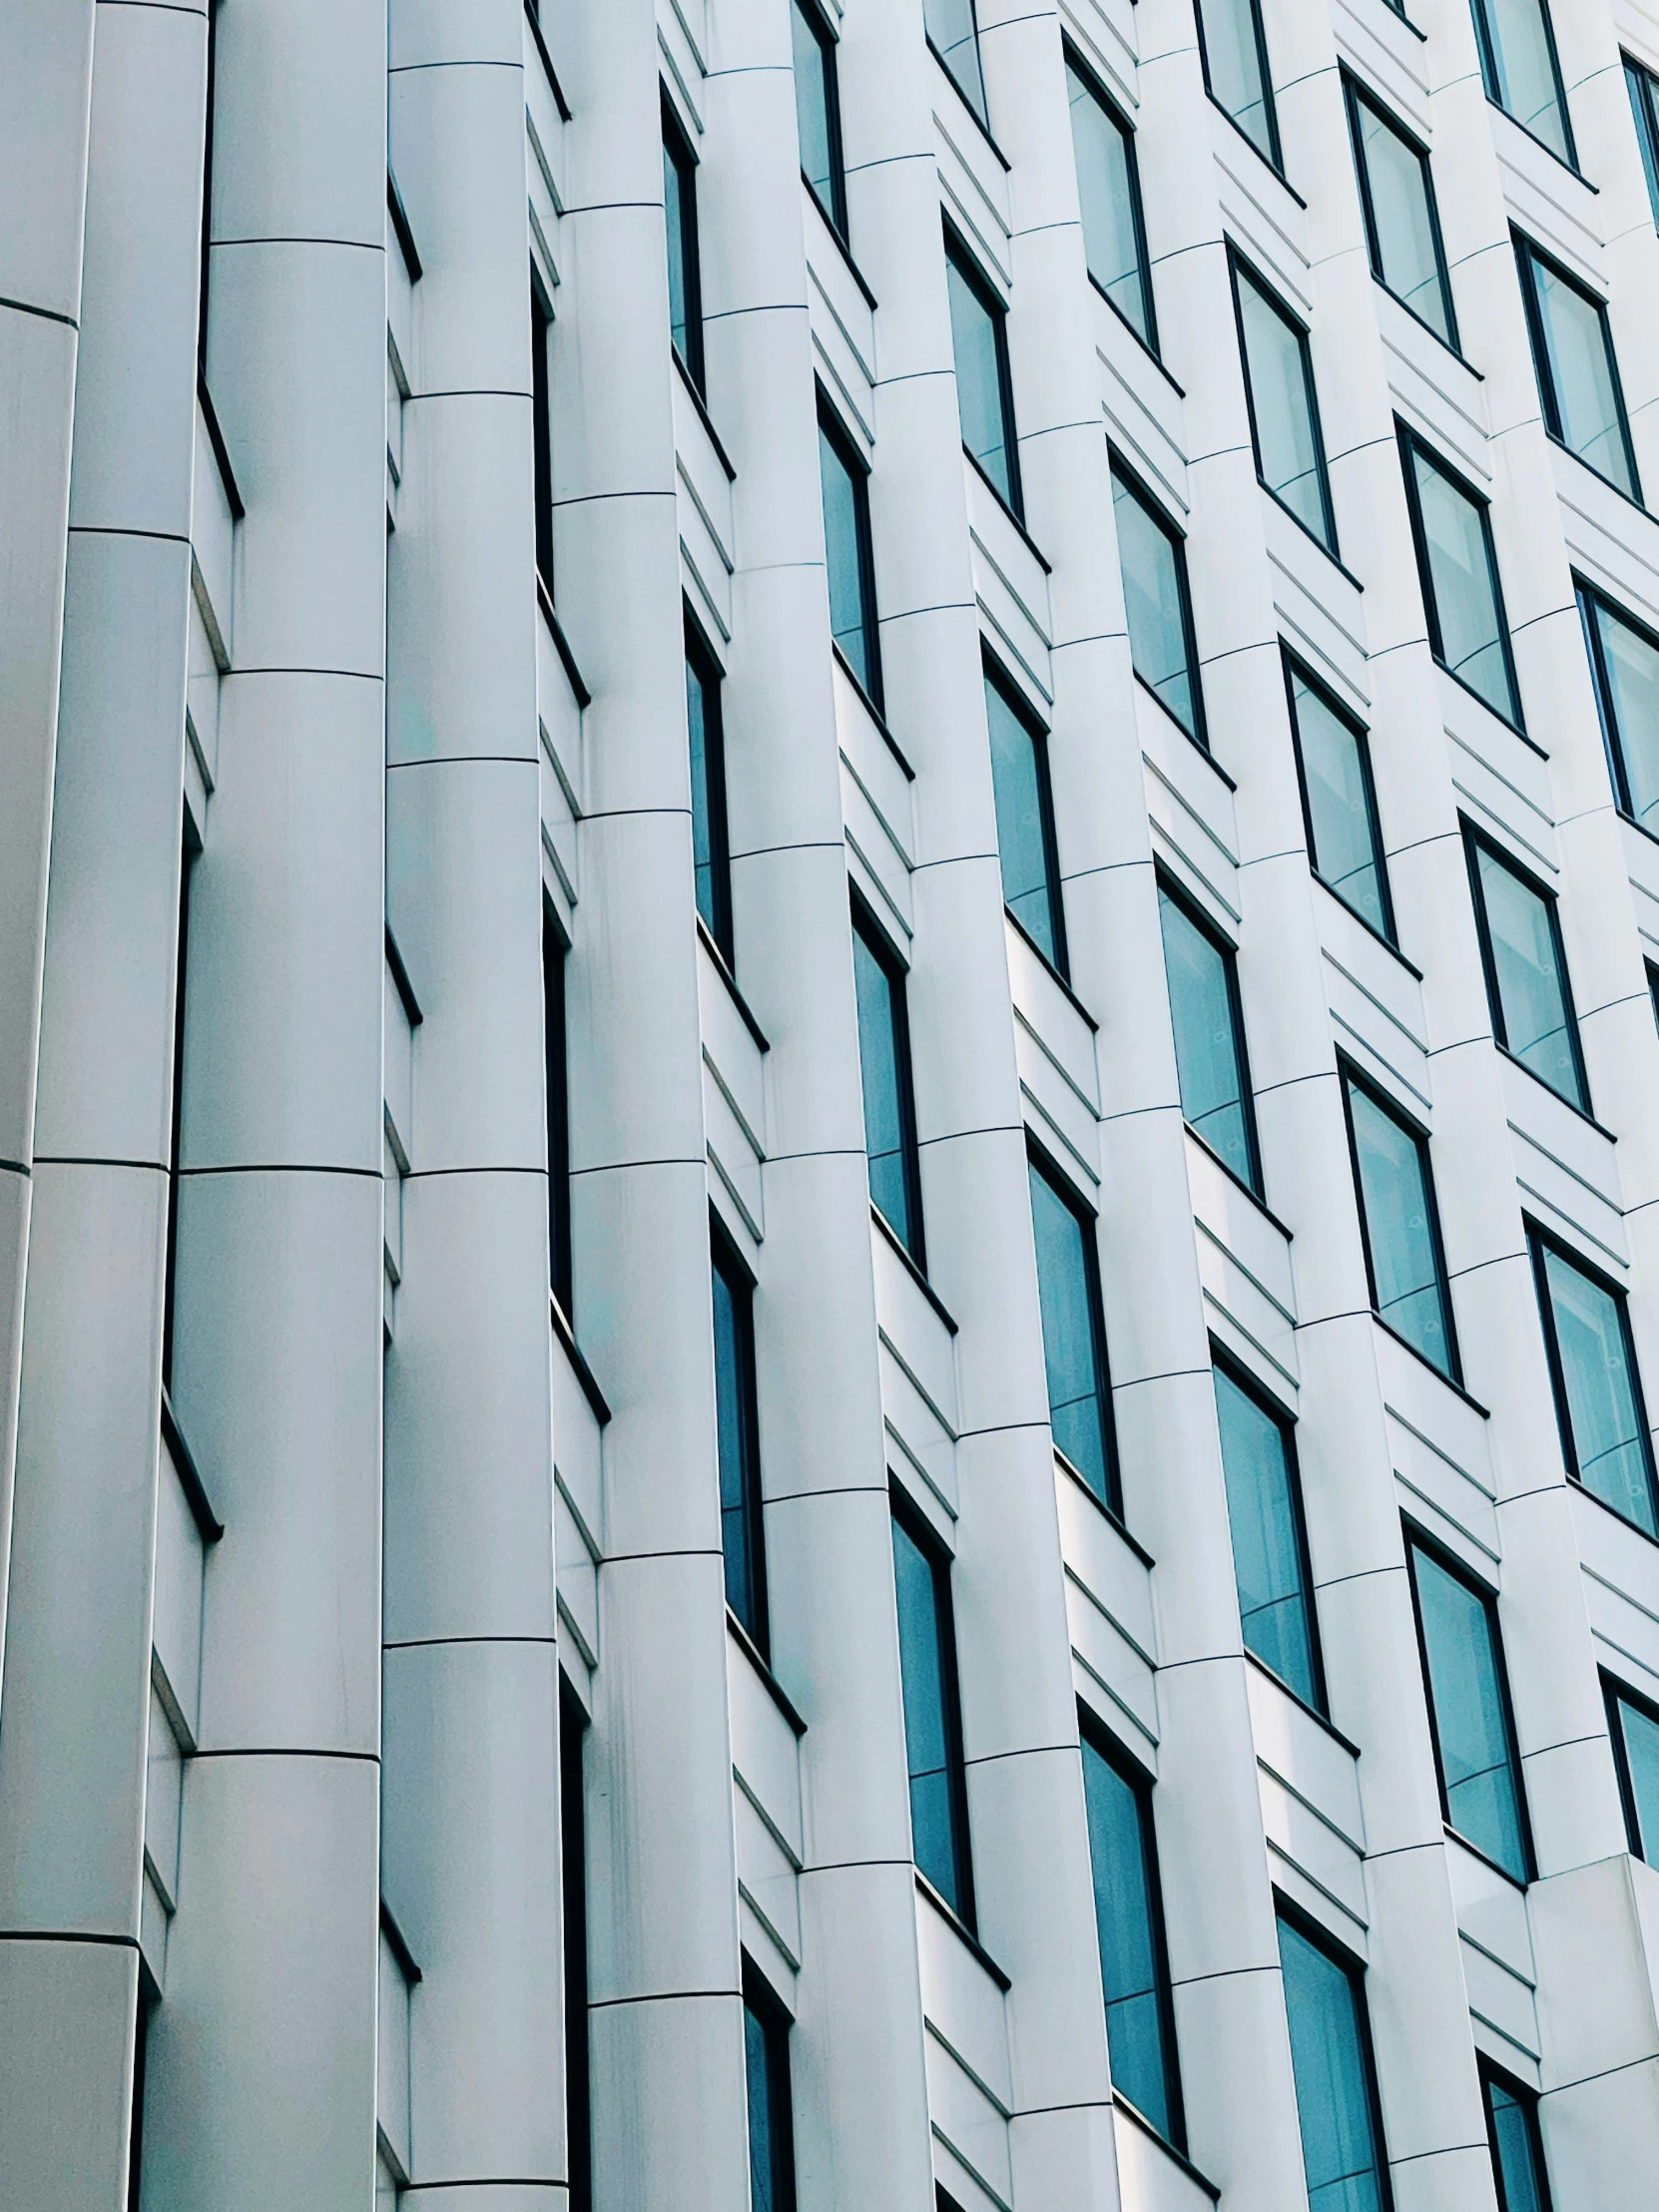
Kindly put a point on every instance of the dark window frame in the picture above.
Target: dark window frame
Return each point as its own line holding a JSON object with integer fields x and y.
{"x": 1239, "y": 266}
{"x": 858, "y": 472}
{"x": 1642, "y": 84}
{"x": 1476, "y": 842}
{"x": 939, "y": 1562}
{"x": 1539, "y": 1241}
{"x": 683, "y": 158}
{"x": 1339, "y": 1955}
{"x": 762, "y": 2002}
{"x": 1357, "y": 95}
{"x": 835, "y": 213}
{"x": 1296, "y": 671}
{"x": 1008, "y": 691}
{"x": 1161, "y": 520}
{"x": 1653, "y": 988}
{"x": 1418, "y": 1540}
{"x": 1242, "y": 1379}
{"x": 1088, "y": 1221}
{"x": 887, "y": 958}
{"x": 1410, "y": 447}
{"x": 555, "y": 951}
{"x": 699, "y": 658}
{"x": 726, "y": 1261}
{"x": 1527, "y": 2102}
{"x": 190, "y": 853}
{"x": 1351, "y": 1075}
{"x": 1615, "y": 1693}
{"x": 1270, "y": 100}
{"x": 1179, "y": 896}
{"x": 1075, "y": 61}
{"x": 1490, "y": 81}
{"x": 981, "y": 117}
{"x": 541, "y": 405}
{"x": 1529, "y": 257}
{"x": 961, "y": 258}
{"x": 1590, "y": 595}
{"x": 573, "y": 1870}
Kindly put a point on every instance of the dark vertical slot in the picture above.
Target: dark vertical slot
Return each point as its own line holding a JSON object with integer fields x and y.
{"x": 573, "y": 1856}
{"x": 541, "y": 325}
{"x": 170, "y": 1290}
{"x": 553, "y": 956}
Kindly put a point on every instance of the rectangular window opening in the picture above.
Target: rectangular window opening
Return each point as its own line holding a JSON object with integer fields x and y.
{"x": 1599, "y": 1406}
{"x": 884, "y": 1072}
{"x": 933, "y": 1711}
{"x": 1269, "y": 1539}
{"x": 1634, "y": 1725}
{"x": 1211, "y": 1064}
{"x": 573, "y": 1871}
{"x": 817, "y": 112}
{"x": 1074, "y": 1333}
{"x": 176, "y": 1133}
{"x": 766, "y": 2036}
{"x": 1109, "y": 190}
{"x": 1399, "y": 1224}
{"x": 736, "y": 1417}
{"x": 1624, "y": 667}
{"x": 849, "y": 554}
{"x": 554, "y": 952}
{"x": 1338, "y": 802}
{"x": 1339, "y": 2114}
{"x": 1233, "y": 47}
{"x": 1475, "y": 1752}
{"x": 1402, "y": 220}
{"x": 541, "y": 334}
{"x": 1283, "y": 405}
{"x": 1163, "y": 649}
{"x": 1578, "y": 374}
{"x": 1457, "y": 567}
{"x": 953, "y": 33}
{"x": 1525, "y": 967}
{"x": 711, "y": 842}
{"x": 1521, "y": 73}
{"x": 685, "y": 276}
{"x": 1129, "y": 1925}
{"x": 1025, "y": 836}
{"x": 1516, "y": 2142}
{"x": 984, "y": 390}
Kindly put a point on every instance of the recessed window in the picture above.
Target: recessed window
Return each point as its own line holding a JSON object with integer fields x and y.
{"x": 1211, "y": 1064}
{"x": 1344, "y": 2161}
{"x": 1129, "y": 1920}
{"x": 685, "y": 277}
{"x": 1338, "y": 802}
{"x": 742, "y": 1528}
{"x": 885, "y": 1070}
{"x": 1624, "y": 663}
{"x": 1234, "y": 48}
{"x": 1516, "y": 2141}
{"x": 541, "y": 333}
{"x": 1402, "y": 224}
{"x": 1399, "y": 1224}
{"x": 817, "y": 112}
{"x": 1634, "y": 1726}
{"x": 1598, "y": 1393}
{"x": 554, "y": 954}
{"x": 1519, "y": 69}
{"x": 765, "y": 2042}
{"x": 1283, "y": 407}
{"x": 932, "y": 1714}
{"x": 1157, "y": 604}
{"x": 1526, "y": 969}
{"x": 847, "y": 551}
{"x": 1578, "y": 377}
{"x": 1109, "y": 190}
{"x": 573, "y": 1873}
{"x": 1643, "y": 88}
{"x": 984, "y": 395}
{"x": 954, "y": 34}
{"x": 1025, "y": 821}
{"x": 1075, "y": 1334}
{"x": 1469, "y": 1711}
{"x": 1270, "y": 1548}
{"x": 710, "y": 843}
{"x": 1457, "y": 568}
{"x": 175, "y": 1109}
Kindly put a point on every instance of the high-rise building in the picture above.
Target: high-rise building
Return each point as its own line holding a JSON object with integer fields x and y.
{"x": 828, "y": 1105}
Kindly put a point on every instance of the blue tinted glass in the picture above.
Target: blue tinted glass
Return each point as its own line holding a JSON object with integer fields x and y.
{"x": 676, "y": 210}
{"x": 1516, "y": 2152}
{"x": 1519, "y": 69}
{"x": 979, "y": 380}
{"x": 1076, "y": 1388}
{"x": 1395, "y": 1205}
{"x": 732, "y": 1357}
{"x": 1630, "y": 705}
{"x": 1207, "y": 1056}
{"x": 1578, "y": 368}
{"x": 1609, "y": 1446}
{"x": 1021, "y": 832}
{"x": 1464, "y": 586}
{"x": 814, "y": 113}
{"x": 771, "y": 2154}
{"x": 1288, "y": 456}
{"x": 1641, "y": 1755}
{"x": 708, "y": 839}
{"x": 1639, "y": 84}
{"x": 1531, "y": 990}
{"x": 951, "y": 27}
{"x": 1234, "y": 68}
{"x": 1401, "y": 213}
{"x": 1477, "y": 1768}
{"x": 1130, "y": 1970}
{"x": 1337, "y": 788}
{"x": 1154, "y": 601}
{"x": 1266, "y": 1546}
{"x": 1106, "y": 188}
{"x": 926, "y": 1668}
{"x": 886, "y": 1132}
{"x": 844, "y": 534}
{"x": 1340, "y": 2156}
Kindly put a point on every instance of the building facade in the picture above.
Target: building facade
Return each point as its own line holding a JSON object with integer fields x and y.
{"x": 828, "y": 1105}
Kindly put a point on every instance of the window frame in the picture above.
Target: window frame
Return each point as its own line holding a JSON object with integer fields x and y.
{"x": 1296, "y": 671}
{"x": 1615, "y": 1693}
{"x": 1642, "y": 84}
{"x": 858, "y": 473}
{"x": 1350, "y": 1077}
{"x": 960, "y": 258}
{"x": 1410, "y": 447}
{"x": 555, "y": 952}
{"x": 997, "y": 676}
{"x": 1526, "y": 2102}
{"x": 1088, "y": 1221}
{"x": 1590, "y": 595}
{"x": 1239, "y": 267}
{"x": 1159, "y": 519}
{"x": 541, "y": 402}
{"x": 1080, "y": 68}
{"x": 939, "y": 1561}
{"x": 683, "y": 158}
{"x": 1339, "y": 1955}
{"x": 700, "y": 658}
{"x": 1476, "y": 842}
{"x": 1538, "y": 1242}
{"x": 1490, "y": 80}
{"x": 573, "y": 1896}
{"x": 1529, "y": 257}
{"x": 1358, "y": 95}
{"x": 1243, "y": 1380}
{"x": 726, "y": 1261}
{"x": 1179, "y": 897}
{"x": 1270, "y": 100}
{"x": 764, "y": 2007}
{"x": 818, "y": 24}
{"x": 1417, "y": 1538}
{"x": 982, "y": 114}
{"x": 893, "y": 966}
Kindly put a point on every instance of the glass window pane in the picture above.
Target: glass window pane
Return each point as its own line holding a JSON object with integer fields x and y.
{"x": 1154, "y": 599}
{"x": 1129, "y": 1962}
{"x": 1207, "y": 1056}
{"x": 1234, "y": 69}
{"x": 1464, "y": 586}
{"x": 679, "y": 214}
{"x": 708, "y": 801}
{"x": 1282, "y": 408}
{"x": 1532, "y": 997}
{"x": 814, "y": 113}
{"x": 1339, "y": 2151}
{"x": 1639, "y": 84}
{"x": 929, "y": 1732}
{"x": 886, "y": 1133}
{"x": 1603, "y": 1413}
{"x": 1520, "y": 70}
{"x": 1401, "y": 209}
{"x": 734, "y": 1417}
{"x": 974, "y": 335}
{"x": 771, "y": 2151}
{"x": 1021, "y": 829}
{"x": 951, "y": 27}
{"x": 1106, "y": 188}
{"x": 1578, "y": 361}
{"x": 1483, "y": 1790}
{"x": 843, "y": 493}
{"x": 1641, "y": 1753}
{"x": 1267, "y": 1543}
{"x": 1516, "y": 2151}
{"x": 1394, "y": 1199}
{"x": 1076, "y": 1387}
{"x": 1630, "y": 702}
{"x": 1333, "y": 776}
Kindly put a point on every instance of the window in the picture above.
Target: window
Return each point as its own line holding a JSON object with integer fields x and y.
{"x": 1526, "y": 970}
{"x": 207, "y": 208}
{"x": 684, "y": 278}
{"x": 742, "y": 1530}
{"x": 148, "y": 1999}
{"x": 1283, "y": 407}
{"x": 1578, "y": 377}
{"x": 765, "y": 2042}
{"x": 984, "y": 395}
{"x": 1598, "y": 1393}
{"x": 1109, "y": 190}
{"x": 1157, "y": 604}
{"x": 710, "y": 844}
{"x": 1469, "y": 1711}
{"x": 1624, "y": 663}
{"x": 1643, "y": 88}
{"x": 1341, "y": 2124}
{"x": 1516, "y": 2143}
{"x": 884, "y": 1067}
{"x": 1338, "y": 802}
{"x": 1457, "y": 567}
{"x": 1234, "y": 49}
{"x": 1402, "y": 224}
{"x": 1399, "y": 1224}
{"x": 1025, "y": 821}
{"x": 1210, "y": 1061}
{"x": 1634, "y": 1728}
{"x": 541, "y": 331}
{"x": 175, "y": 1154}
{"x": 932, "y": 1714}
{"x": 1075, "y": 1334}
{"x": 1270, "y": 1545}
{"x": 554, "y": 952}
{"x": 573, "y": 1873}
{"x": 847, "y": 551}
{"x": 1129, "y": 1920}
{"x": 1520, "y": 72}
{"x": 818, "y": 113}
{"x": 954, "y": 34}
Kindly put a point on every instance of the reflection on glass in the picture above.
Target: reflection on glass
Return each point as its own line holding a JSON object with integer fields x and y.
{"x": 1336, "y": 779}
{"x": 980, "y": 395}
{"x": 1208, "y": 1060}
{"x": 1288, "y": 456}
{"x": 1154, "y": 604}
{"x": 1395, "y": 1204}
{"x": 1267, "y": 1539}
{"x": 1077, "y": 1404}
{"x": 1340, "y": 2156}
{"x": 1602, "y": 1416}
{"x": 1462, "y": 584}
{"x": 1107, "y": 188}
{"x": 927, "y": 1670}
{"x": 1024, "y": 834}
{"x": 1471, "y": 1730}
{"x": 1400, "y": 206}
{"x": 1131, "y": 1969}
{"x": 1533, "y": 1005}
{"x": 1236, "y": 69}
